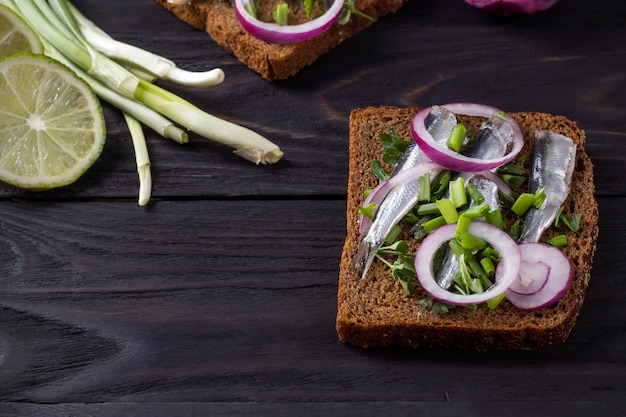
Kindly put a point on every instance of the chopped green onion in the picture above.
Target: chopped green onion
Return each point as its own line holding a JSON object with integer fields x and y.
{"x": 558, "y": 241}
{"x": 425, "y": 187}
{"x": 393, "y": 234}
{"x": 471, "y": 242}
{"x": 456, "y": 247}
{"x": 474, "y": 194}
{"x": 251, "y": 8}
{"x": 457, "y": 136}
{"x": 281, "y": 14}
{"x": 523, "y": 203}
{"x": 308, "y": 7}
{"x": 495, "y": 218}
{"x": 447, "y": 210}
{"x": 469, "y": 258}
{"x": 462, "y": 226}
{"x": 491, "y": 253}
{"x": 495, "y": 302}
{"x": 540, "y": 197}
{"x": 475, "y": 212}
{"x": 428, "y": 208}
{"x": 457, "y": 192}
{"x": 367, "y": 211}
{"x": 488, "y": 266}
{"x": 433, "y": 224}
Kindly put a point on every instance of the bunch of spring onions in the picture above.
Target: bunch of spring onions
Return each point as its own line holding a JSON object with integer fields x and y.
{"x": 124, "y": 75}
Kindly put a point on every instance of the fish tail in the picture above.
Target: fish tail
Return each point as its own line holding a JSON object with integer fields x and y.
{"x": 365, "y": 256}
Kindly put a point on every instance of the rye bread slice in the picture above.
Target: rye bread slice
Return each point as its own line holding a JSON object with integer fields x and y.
{"x": 375, "y": 310}
{"x": 272, "y": 61}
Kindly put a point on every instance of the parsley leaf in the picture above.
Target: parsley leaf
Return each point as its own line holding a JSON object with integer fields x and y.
{"x": 393, "y": 146}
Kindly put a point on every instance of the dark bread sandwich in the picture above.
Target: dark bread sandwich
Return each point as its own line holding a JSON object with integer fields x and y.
{"x": 273, "y": 60}
{"x": 375, "y": 310}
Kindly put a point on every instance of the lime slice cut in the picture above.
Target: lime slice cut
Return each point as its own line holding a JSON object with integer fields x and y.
{"x": 52, "y": 127}
{"x": 16, "y": 35}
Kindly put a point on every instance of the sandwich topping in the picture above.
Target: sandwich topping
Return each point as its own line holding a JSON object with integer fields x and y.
{"x": 479, "y": 238}
{"x": 320, "y": 15}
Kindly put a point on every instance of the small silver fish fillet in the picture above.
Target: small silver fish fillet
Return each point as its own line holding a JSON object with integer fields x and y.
{"x": 401, "y": 199}
{"x": 554, "y": 158}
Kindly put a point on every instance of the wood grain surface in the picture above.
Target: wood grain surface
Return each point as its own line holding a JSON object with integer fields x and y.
{"x": 219, "y": 297}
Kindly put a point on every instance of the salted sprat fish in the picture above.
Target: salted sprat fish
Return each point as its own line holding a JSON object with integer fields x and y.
{"x": 401, "y": 199}
{"x": 493, "y": 141}
{"x": 553, "y": 163}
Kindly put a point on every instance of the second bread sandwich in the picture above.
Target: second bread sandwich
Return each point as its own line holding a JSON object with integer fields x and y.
{"x": 271, "y": 60}
{"x": 375, "y": 310}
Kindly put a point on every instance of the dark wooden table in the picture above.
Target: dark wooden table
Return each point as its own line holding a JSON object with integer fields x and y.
{"x": 219, "y": 297}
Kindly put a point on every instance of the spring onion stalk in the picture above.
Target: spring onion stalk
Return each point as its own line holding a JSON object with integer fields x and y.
{"x": 55, "y": 31}
{"x": 58, "y": 26}
{"x": 248, "y": 144}
{"x": 142, "y": 158}
{"x": 137, "y": 110}
{"x": 134, "y": 114}
{"x": 131, "y": 110}
{"x": 149, "y": 64}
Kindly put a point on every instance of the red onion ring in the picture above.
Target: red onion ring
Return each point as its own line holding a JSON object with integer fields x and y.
{"x": 455, "y": 161}
{"x": 275, "y": 33}
{"x": 557, "y": 283}
{"x": 506, "y": 7}
{"x": 378, "y": 194}
{"x": 531, "y": 278}
{"x": 506, "y": 270}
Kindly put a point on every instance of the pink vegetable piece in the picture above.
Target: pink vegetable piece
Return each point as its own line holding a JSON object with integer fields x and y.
{"x": 508, "y": 7}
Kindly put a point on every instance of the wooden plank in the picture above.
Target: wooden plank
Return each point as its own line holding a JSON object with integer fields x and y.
{"x": 310, "y": 409}
{"x": 106, "y": 302}
{"x": 563, "y": 61}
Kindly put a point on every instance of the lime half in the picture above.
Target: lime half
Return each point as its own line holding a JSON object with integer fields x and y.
{"x": 16, "y": 35}
{"x": 51, "y": 123}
